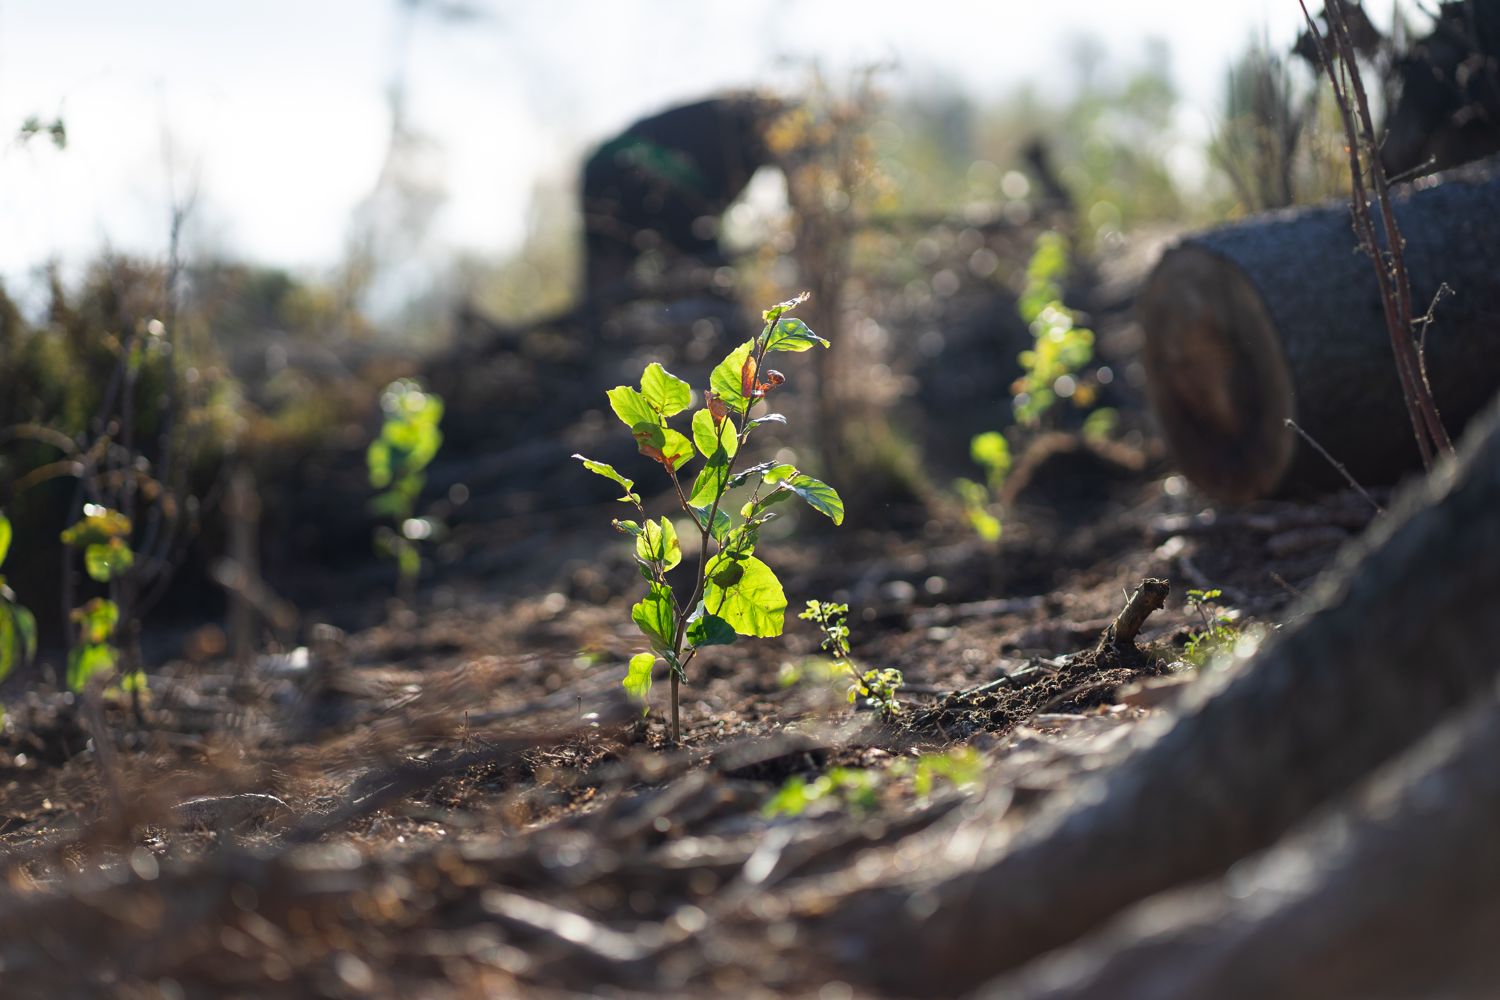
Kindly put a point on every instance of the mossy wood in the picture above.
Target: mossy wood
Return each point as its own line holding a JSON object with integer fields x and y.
{"x": 1278, "y": 318}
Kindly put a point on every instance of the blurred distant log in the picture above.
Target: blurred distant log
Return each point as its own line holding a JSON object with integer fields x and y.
{"x": 1279, "y": 318}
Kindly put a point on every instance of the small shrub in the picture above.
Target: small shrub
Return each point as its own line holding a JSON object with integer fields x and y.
{"x": 990, "y": 452}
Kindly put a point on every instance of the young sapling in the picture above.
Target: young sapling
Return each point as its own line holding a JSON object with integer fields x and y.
{"x": 731, "y": 592}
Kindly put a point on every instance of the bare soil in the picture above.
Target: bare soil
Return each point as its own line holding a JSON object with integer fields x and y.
{"x": 465, "y": 805}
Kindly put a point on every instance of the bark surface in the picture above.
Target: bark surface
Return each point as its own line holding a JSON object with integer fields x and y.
{"x": 1402, "y": 633}
{"x": 1279, "y": 317}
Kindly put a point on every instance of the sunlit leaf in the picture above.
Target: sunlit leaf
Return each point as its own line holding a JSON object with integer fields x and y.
{"x": 726, "y": 378}
{"x": 107, "y": 561}
{"x": 658, "y": 543}
{"x": 669, "y": 447}
{"x": 741, "y": 478}
{"x": 710, "y": 482}
{"x": 655, "y": 615}
{"x": 818, "y": 495}
{"x": 710, "y": 439}
{"x": 991, "y": 452}
{"x": 637, "y": 682}
{"x": 632, "y": 409}
{"x": 721, "y": 519}
{"x": 5, "y": 533}
{"x": 792, "y": 335}
{"x": 663, "y": 391}
{"x": 746, "y": 594}
{"x": 10, "y": 642}
{"x": 607, "y": 471}
{"x": 769, "y": 418}
{"x": 97, "y": 619}
{"x": 99, "y": 525}
{"x": 773, "y": 313}
{"x": 87, "y": 662}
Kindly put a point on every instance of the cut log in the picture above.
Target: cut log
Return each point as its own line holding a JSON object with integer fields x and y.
{"x": 1279, "y": 318}
{"x": 1402, "y": 633}
{"x": 1397, "y": 895}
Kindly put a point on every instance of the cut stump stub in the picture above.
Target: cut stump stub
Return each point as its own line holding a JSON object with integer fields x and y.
{"x": 1279, "y": 317}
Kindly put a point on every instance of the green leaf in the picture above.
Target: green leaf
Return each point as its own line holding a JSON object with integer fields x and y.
{"x": 88, "y": 661}
{"x": 710, "y": 482}
{"x": 769, "y": 418}
{"x": 741, "y": 478}
{"x": 792, "y": 335}
{"x": 656, "y": 616}
{"x": 657, "y": 543}
{"x": 773, "y": 313}
{"x": 107, "y": 561}
{"x": 779, "y": 472}
{"x": 819, "y": 495}
{"x": 632, "y": 409}
{"x": 25, "y": 623}
{"x": 378, "y": 461}
{"x": 991, "y": 452}
{"x": 5, "y": 533}
{"x": 663, "y": 444}
{"x": 98, "y": 525}
{"x": 726, "y": 378}
{"x": 663, "y": 391}
{"x": 97, "y": 619}
{"x": 721, "y": 519}
{"x": 408, "y": 560}
{"x": 758, "y": 507}
{"x": 746, "y": 594}
{"x": 637, "y": 682}
{"x": 709, "y": 440}
{"x": 607, "y": 471}
{"x": 10, "y": 644}
{"x": 134, "y": 681}
{"x": 709, "y": 630}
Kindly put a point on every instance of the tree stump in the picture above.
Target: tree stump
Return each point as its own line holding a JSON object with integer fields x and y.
{"x": 1279, "y": 318}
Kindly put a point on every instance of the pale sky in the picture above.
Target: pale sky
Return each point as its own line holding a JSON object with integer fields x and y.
{"x": 277, "y": 107}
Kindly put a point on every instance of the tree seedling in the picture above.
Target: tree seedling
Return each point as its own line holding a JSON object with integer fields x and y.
{"x": 397, "y": 461}
{"x": 731, "y": 593}
{"x": 878, "y": 687}
{"x": 102, "y": 535}
{"x": 991, "y": 452}
{"x": 1060, "y": 348}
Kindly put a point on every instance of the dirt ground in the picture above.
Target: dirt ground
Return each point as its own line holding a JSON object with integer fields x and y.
{"x": 460, "y": 802}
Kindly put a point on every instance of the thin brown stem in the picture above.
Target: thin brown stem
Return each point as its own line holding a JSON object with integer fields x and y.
{"x": 1391, "y": 275}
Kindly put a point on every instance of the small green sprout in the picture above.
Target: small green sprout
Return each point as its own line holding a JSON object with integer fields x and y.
{"x": 850, "y": 788}
{"x": 103, "y": 535}
{"x": 730, "y": 593}
{"x": 397, "y": 462}
{"x": 1060, "y": 348}
{"x": 1218, "y": 635}
{"x": 878, "y": 687}
{"x": 857, "y": 789}
{"x": 991, "y": 452}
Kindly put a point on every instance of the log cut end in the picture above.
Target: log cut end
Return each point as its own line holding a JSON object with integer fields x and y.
{"x": 1216, "y": 375}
